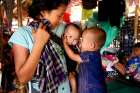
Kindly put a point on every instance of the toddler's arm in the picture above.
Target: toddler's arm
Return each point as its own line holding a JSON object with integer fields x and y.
{"x": 75, "y": 57}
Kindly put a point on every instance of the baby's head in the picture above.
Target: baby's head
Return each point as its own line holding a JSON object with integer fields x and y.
{"x": 92, "y": 39}
{"x": 73, "y": 33}
{"x": 136, "y": 49}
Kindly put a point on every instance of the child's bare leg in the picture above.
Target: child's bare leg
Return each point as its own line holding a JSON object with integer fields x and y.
{"x": 73, "y": 83}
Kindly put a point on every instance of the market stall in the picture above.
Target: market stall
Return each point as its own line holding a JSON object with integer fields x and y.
{"x": 119, "y": 18}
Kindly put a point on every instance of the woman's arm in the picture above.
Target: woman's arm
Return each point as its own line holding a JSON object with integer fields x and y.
{"x": 25, "y": 63}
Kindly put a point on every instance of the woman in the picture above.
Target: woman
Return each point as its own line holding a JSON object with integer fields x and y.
{"x": 36, "y": 55}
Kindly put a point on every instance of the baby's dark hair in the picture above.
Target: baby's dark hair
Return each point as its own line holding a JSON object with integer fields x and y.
{"x": 73, "y": 24}
{"x": 39, "y": 5}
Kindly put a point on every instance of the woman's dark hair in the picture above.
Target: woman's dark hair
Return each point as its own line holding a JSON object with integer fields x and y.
{"x": 40, "y": 5}
{"x": 73, "y": 24}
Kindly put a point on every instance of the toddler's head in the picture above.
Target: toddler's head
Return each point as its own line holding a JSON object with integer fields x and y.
{"x": 92, "y": 39}
{"x": 72, "y": 32}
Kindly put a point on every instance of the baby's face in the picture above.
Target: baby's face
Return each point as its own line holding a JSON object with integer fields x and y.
{"x": 73, "y": 36}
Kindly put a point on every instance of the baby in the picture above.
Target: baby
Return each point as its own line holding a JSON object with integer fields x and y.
{"x": 72, "y": 32}
{"x": 91, "y": 77}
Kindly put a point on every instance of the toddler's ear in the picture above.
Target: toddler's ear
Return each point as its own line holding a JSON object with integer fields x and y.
{"x": 93, "y": 44}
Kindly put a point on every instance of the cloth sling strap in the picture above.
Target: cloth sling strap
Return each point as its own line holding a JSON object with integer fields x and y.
{"x": 50, "y": 70}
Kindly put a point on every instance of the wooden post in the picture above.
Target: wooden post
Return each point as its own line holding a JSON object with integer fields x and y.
{"x": 1, "y": 30}
{"x": 136, "y": 23}
{"x": 19, "y": 12}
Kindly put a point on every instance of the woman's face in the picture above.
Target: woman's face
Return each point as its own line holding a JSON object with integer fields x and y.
{"x": 55, "y": 16}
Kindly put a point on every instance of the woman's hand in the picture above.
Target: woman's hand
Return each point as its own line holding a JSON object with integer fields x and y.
{"x": 41, "y": 35}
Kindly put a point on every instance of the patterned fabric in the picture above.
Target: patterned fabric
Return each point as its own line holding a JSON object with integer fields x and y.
{"x": 127, "y": 36}
{"x": 50, "y": 69}
{"x": 108, "y": 61}
{"x": 133, "y": 68}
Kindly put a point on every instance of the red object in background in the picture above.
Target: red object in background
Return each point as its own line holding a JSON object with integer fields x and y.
{"x": 66, "y": 17}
